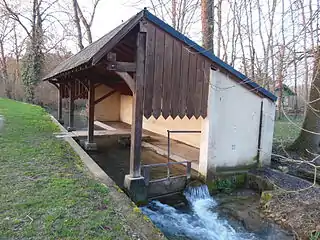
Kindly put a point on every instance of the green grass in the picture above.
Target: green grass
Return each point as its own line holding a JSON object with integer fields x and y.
{"x": 286, "y": 132}
{"x": 45, "y": 191}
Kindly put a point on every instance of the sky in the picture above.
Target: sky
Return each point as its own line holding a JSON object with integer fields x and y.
{"x": 111, "y": 13}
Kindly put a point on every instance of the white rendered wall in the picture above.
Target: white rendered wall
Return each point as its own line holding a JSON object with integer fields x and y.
{"x": 267, "y": 128}
{"x": 230, "y": 133}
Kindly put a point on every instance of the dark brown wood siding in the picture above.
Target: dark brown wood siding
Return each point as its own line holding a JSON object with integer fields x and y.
{"x": 177, "y": 78}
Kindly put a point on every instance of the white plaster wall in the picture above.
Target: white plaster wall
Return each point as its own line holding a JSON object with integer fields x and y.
{"x": 267, "y": 129}
{"x": 161, "y": 125}
{"x": 109, "y": 108}
{"x": 231, "y": 130}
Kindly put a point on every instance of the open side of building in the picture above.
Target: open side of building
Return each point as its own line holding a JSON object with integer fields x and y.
{"x": 152, "y": 78}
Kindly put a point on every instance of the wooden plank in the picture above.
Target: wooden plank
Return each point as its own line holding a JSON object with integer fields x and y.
{"x": 176, "y": 79}
{"x": 191, "y": 84}
{"x": 76, "y": 83}
{"x": 91, "y": 104}
{"x": 184, "y": 81}
{"x": 137, "y": 109}
{"x": 65, "y": 91}
{"x": 205, "y": 89}
{"x": 150, "y": 56}
{"x": 71, "y": 105}
{"x": 158, "y": 73}
{"x": 199, "y": 84}
{"x": 167, "y": 77}
{"x": 122, "y": 66}
{"x": 60, "y": 103}
{"x": 117, "y": 38}
{"x": 104, "y": 96}
{"x": 129, "y": 80}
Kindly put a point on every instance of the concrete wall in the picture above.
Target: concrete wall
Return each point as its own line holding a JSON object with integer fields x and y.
{"x": 267, "y": 128}
{"x": 231, "y": 129}
{"x": 109, "y": 108}
{"x": 161, "y": 125}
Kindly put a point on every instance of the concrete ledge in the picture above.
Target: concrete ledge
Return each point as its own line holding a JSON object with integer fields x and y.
{"x": 104, "y": 126}
{"x": 137, "y": 188}
{"x": 173, "y": 157}
{"x": 125, "y": 207}
{"x": 167, "y": 186}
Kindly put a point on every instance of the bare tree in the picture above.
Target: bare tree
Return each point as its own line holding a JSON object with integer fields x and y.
{"x": 78, "y": 14}
{"x": 309, "y": 138}
{"x": 207, "y": 22}
{"x": 77, "y": 23}
{"x": 5, "y": 30}
{"x": 181, "y": 14}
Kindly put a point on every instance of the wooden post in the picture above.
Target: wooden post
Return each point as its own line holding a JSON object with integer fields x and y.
{"x": 71, "y": 106}
{"x": 137, "y": 108}
{"x": 91, "y": 98}
{"x": 60, "y": 118}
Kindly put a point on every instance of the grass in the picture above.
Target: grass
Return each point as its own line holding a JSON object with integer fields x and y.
{"x": 45, "y": 191}
{"x": 286, "y": 132}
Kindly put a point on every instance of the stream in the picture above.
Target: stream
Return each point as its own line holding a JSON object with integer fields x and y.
{"x": 200, "y": 220}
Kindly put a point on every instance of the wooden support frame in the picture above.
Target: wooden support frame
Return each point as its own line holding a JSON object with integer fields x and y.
{"x": 91, "y": 103}
{"x": 137, "y": 109}
{"x": 122, "y": 66}
{"x": 129, "y": 80}
{"x": 113, "y": 65}
{"x": 71, "y": 105}
{"x": 60, "y": 118}
{"x": 104, "y": 97}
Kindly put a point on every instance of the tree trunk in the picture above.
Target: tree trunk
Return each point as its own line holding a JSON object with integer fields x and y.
{"x": 309, "y": 138}
{"x": 85, "y": 24}
{"x": 4, "y": 72}
{"x": 174, "y": 14}
{"x": 219, "y": 29}
{"x": 77, "y": 23}
{"x": 207, "y": 23}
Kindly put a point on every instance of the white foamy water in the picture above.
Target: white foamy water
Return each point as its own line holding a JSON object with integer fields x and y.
{"x": 200, "y": 222}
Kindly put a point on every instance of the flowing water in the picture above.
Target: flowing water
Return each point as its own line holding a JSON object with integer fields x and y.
{"x": 199, "y": 221}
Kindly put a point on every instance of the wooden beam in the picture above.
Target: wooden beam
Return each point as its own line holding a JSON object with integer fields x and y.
{"x": 54, "y": 83}
{"x": 60, "y": 119}
{"x": 121, "y": 66}
{"x": 117, "y": 38}
{"x": 104, "y": 97}
{"x": 112, "y": 57}
{"x": 91, "y": 104}
{"x": 137, "y": 111}
{"x": 97, "y": 85}
{"x": 129, "y": 80}
{"x": 71, "y": 105}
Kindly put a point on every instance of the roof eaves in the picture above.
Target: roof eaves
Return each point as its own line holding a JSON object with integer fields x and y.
{"x": 208, "y": 54}
{"x": 113, "y": 41}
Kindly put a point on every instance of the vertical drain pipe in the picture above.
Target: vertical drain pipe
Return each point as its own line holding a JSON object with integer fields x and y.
{"x": 260, "y": 129}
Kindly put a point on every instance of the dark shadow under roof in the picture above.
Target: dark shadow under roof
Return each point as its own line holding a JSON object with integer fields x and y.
{"x": 88, "y": 54}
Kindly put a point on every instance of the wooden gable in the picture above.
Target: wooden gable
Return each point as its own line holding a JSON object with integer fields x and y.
{"x": 177, "y": 77}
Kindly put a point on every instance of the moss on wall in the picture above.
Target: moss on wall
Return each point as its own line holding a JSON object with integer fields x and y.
{"x": 227, "y": 182}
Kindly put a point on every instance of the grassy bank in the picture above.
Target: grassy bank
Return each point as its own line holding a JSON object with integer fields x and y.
{"x": 46, "y": 192}
{"x": 286, "y": 131}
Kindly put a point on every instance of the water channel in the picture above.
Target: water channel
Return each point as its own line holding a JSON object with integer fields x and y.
{"x": 197, "y": 219}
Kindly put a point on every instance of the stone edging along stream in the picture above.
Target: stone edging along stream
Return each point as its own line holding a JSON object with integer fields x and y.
{"x": 140, "y": 224}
